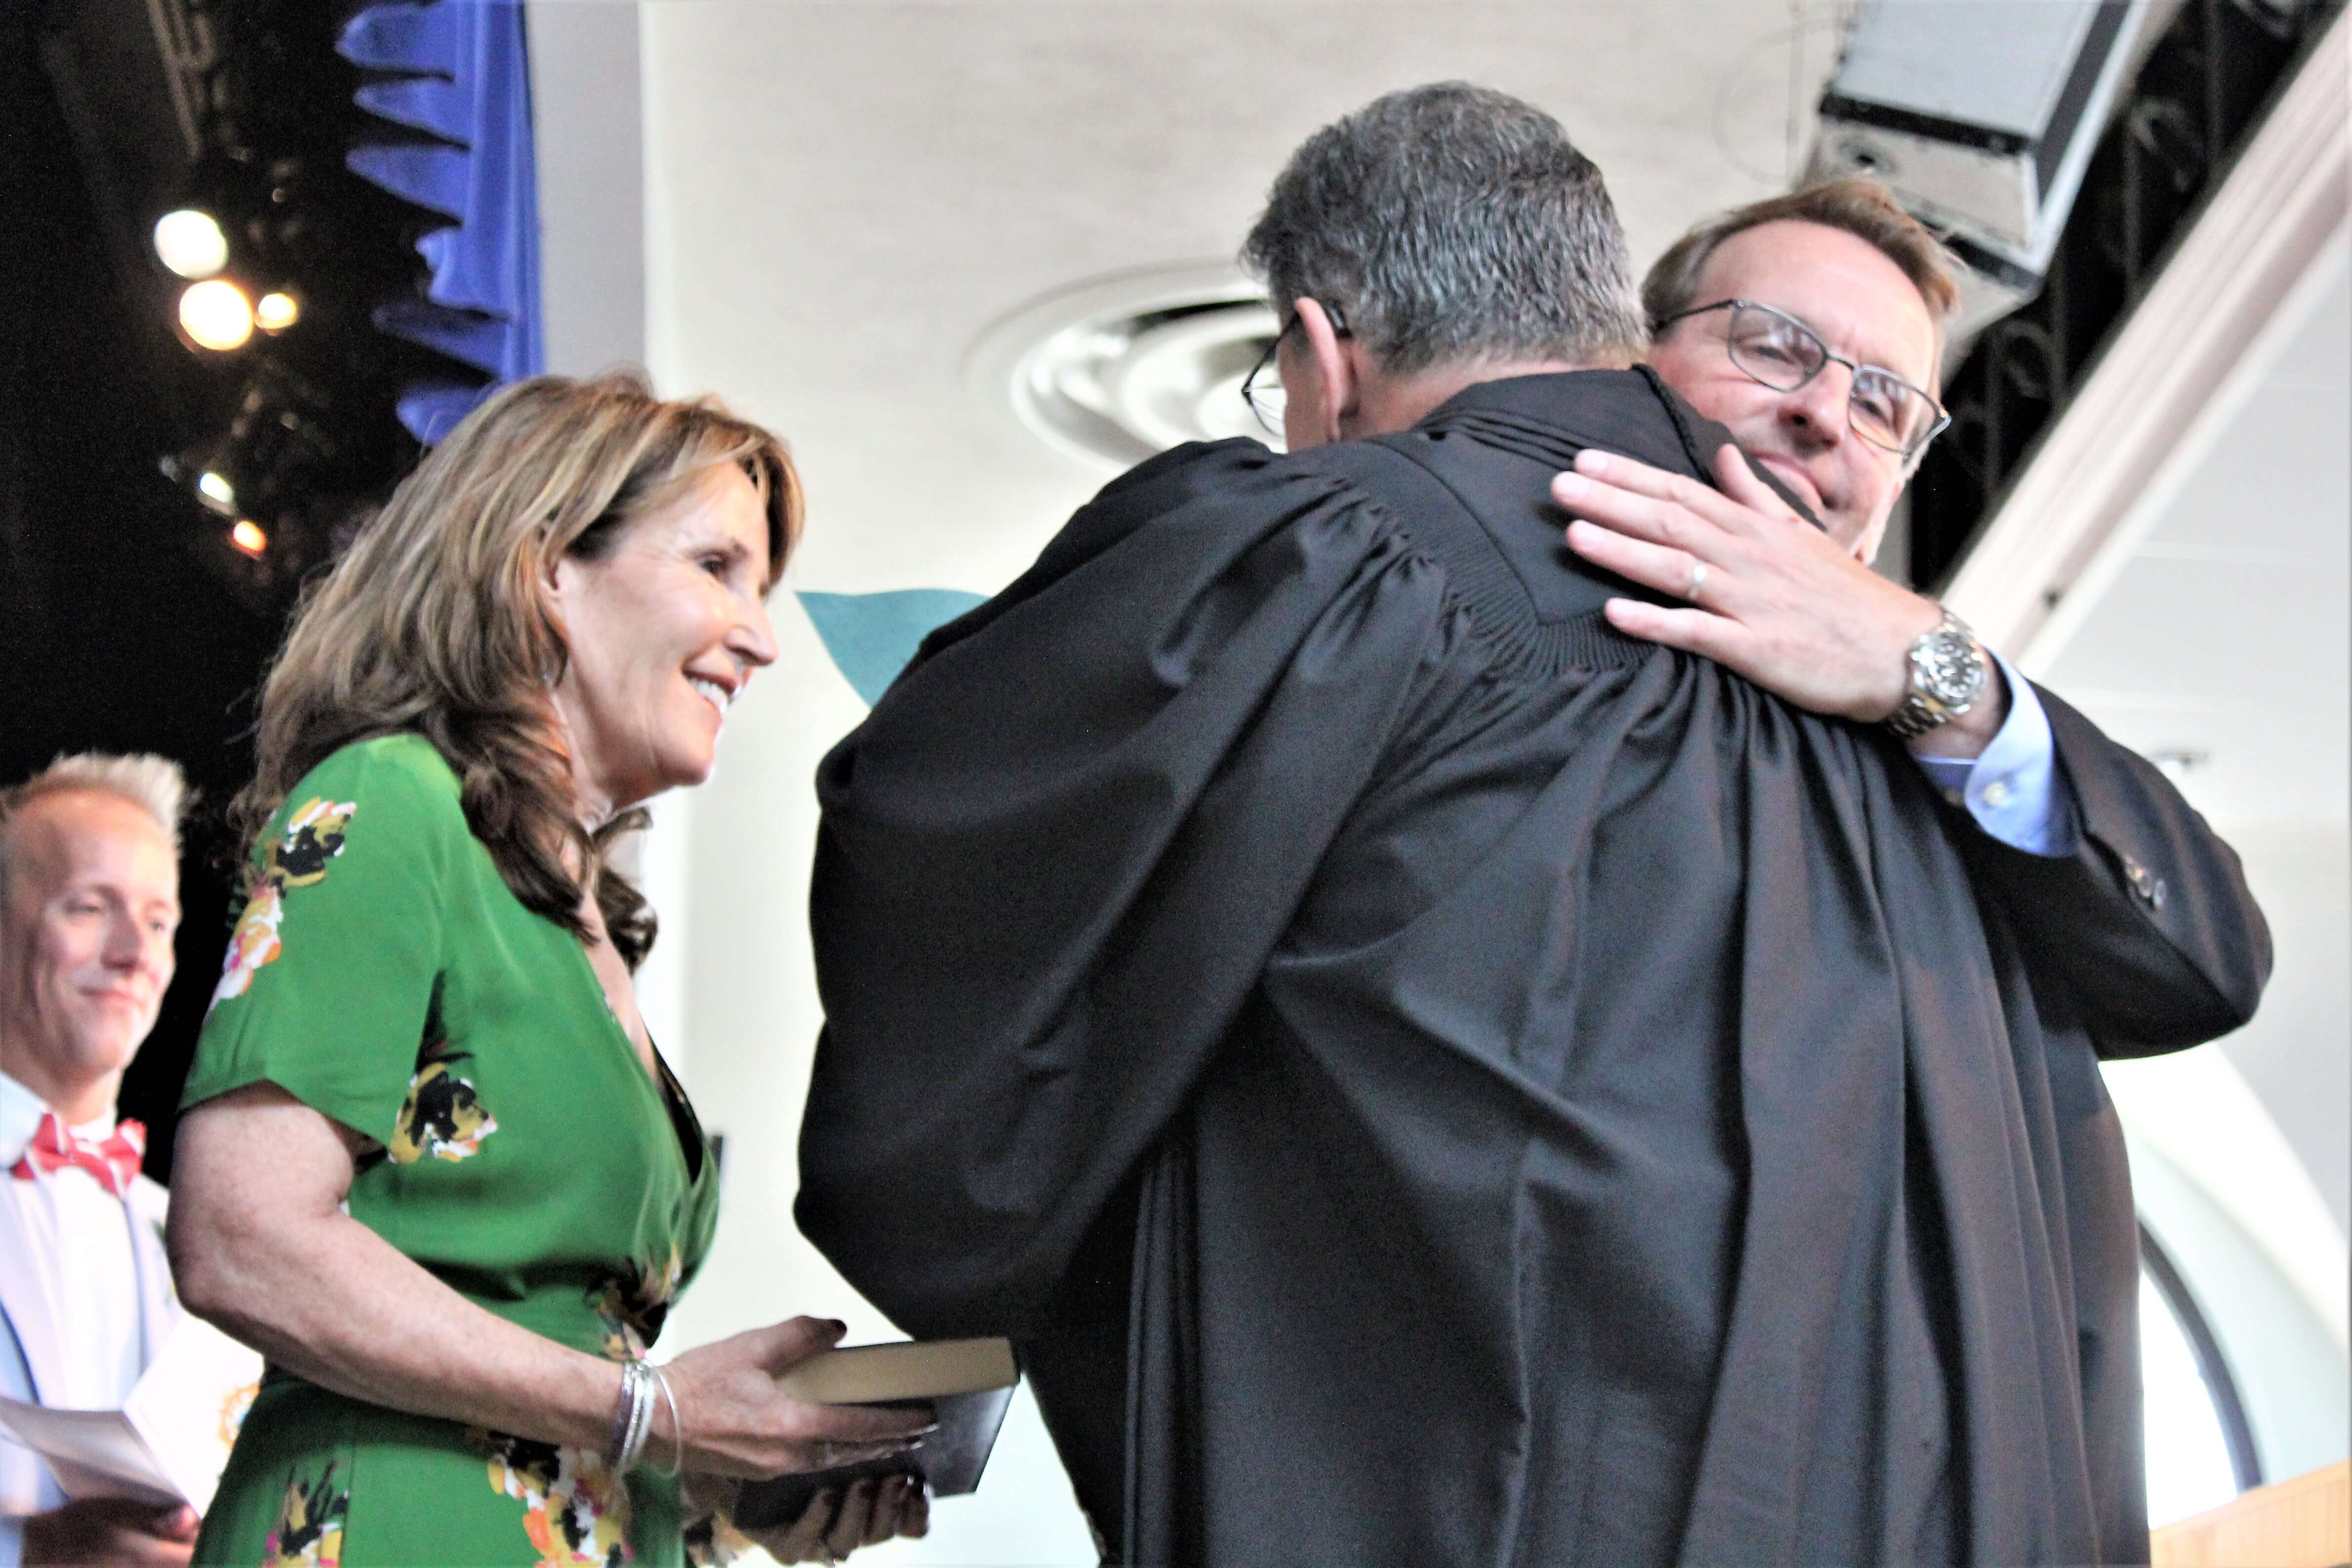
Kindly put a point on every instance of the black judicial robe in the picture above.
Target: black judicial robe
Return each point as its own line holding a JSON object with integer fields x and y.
{"x": 1428, "y": 1079}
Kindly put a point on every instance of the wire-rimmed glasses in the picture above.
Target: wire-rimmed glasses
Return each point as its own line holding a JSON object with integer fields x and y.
{"x": 1265, "y": 393}
{"x": 1776, "y": 349}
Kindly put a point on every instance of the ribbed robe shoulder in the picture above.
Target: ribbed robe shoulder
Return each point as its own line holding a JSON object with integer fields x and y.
{"x": 1096, "y": 797}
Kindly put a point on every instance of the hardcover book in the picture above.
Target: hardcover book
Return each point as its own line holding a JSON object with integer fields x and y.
{"x": 966, "y": 1382}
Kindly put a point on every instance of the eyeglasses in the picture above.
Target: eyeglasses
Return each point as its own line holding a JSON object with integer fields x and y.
{"x": 1782, "y": 352}
{"x": 1266, "y": 399}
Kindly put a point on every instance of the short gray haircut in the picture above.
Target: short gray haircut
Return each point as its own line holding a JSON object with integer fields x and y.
{"x": 153, "y": 784}
{"x": 1452, "y": 224}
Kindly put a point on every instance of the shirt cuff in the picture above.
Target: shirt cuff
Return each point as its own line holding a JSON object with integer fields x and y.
{"x": 2013, "y": 790}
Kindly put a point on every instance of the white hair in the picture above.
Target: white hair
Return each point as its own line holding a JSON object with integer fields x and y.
{"x": 153, "y": 784}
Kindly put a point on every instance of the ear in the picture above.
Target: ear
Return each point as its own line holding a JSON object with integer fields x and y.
{"x": 1336, "y": 366}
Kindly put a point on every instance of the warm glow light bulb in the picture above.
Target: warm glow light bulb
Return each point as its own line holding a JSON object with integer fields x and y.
{"x": 274, "y": 312}
{"x": 247, "y": 536}
{"x": 190, "y": 242}
{"x": 215, "y": 315}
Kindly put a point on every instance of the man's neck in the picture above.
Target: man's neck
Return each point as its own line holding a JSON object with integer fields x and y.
{"x": 1385, "y": 404}
{"x": 78, "y": 1103}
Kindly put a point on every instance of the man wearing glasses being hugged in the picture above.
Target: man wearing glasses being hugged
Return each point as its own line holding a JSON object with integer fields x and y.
{"x": 1810, "y": 326}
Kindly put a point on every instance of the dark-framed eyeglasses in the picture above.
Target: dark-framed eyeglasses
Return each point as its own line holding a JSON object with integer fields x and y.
{"x": 1263, "y": 392}
{"x": 1775, "y": 348}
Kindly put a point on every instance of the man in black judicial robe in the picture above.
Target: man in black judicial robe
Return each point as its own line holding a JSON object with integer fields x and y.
{"x": 1427, "y": 1076}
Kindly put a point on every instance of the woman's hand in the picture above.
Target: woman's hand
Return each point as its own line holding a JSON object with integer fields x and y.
{"x": 838, "y": 1523}
{"x": 736, "y": 1422}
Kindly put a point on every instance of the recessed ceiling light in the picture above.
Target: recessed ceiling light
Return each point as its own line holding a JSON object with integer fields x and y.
{"x": 1118, "y": 369}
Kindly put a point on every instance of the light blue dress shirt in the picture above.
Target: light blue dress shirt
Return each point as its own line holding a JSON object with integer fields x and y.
{"x": 20, "y": 1118}
{"x": 2013, "y": 790}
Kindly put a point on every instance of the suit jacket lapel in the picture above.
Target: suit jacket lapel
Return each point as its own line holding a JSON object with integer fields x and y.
{"x": 28, "y": 1288}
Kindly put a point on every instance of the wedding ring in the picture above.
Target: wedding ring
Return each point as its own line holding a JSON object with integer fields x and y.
{"x": 1698, "y": 580}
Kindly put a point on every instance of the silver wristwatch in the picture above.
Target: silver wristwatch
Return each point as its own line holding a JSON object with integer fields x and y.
{"x": 1947, "y": 675}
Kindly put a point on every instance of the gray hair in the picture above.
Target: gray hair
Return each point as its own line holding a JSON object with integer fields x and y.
{"x": 1452, "y": 224}
{"x": 153, "y": 784}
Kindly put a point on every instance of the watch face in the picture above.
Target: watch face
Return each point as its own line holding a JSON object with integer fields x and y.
{"x": 1950, "y": 669}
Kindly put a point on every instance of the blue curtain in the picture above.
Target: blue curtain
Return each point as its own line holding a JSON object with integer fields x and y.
{"x": 463, "y": 78}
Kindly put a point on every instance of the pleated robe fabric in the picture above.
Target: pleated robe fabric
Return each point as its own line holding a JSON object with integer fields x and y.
{"x": 1430, "y": 1079}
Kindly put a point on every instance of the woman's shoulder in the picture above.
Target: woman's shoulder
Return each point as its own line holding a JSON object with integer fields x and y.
{"x": 401, "y": 776}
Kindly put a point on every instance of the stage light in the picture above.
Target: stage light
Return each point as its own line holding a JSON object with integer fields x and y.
{"x": 217, "y": 492}
{"x": 274, "y": 312}
{"x": 190, "y": 243}
{"x": 248, "y": 538}
{"x": 215, "y": 315}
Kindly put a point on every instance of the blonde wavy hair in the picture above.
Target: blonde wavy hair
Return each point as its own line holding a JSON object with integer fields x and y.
{"x": 440, "y": 621}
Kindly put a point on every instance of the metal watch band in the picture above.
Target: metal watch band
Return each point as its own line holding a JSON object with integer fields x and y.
{"x": 1923, "y": 708}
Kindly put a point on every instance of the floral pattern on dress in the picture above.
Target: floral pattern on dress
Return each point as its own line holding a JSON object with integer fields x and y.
{"x": 633, "y": 1303}
{"x": 297, "y": 858}
{"x": 235, "y": 1408}
{"x": 574, "y": 1509}
{"x": 309, "y": 1529}
{"x": 442, "y": 1116}
{"x": 712, "y": 1541}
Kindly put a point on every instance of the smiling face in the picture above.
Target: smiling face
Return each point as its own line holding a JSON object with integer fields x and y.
{"x": 665, "y": 631}
{"x": 85, "y": 935}
{"x": 1861, "y": 304}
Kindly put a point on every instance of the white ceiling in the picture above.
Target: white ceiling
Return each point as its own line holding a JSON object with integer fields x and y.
{"x": 841, "y": 197}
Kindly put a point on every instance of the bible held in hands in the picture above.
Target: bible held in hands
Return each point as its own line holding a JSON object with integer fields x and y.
{"x": 968, "y": 1383}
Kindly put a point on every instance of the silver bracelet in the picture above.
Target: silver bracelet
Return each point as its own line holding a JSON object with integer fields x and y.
{"x": 644, "y": 1426}
{"x": 623, "y": 1411}
{"x": 634, "y": 1419}
{"x": 677, "y": 1431}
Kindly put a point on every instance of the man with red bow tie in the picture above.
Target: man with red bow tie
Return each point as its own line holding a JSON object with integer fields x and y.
{"x": 88, "y": 902}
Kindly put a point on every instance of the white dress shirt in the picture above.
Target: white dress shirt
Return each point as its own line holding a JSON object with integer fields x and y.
{"x": 83, "y": 1231}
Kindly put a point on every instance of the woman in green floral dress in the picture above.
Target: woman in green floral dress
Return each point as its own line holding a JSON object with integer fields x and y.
{"x": 431, "y": 1164}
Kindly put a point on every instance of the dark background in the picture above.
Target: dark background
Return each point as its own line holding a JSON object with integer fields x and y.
{"x": 114, "y": 635}
{"x": 127, "y": 622}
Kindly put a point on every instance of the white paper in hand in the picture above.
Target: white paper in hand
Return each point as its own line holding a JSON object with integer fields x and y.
{"x": 171, "y": 1436}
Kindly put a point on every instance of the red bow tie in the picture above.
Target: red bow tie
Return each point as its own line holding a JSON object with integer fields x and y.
{"x": 113, "y": 1161}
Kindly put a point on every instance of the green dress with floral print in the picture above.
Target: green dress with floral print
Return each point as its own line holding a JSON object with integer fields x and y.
{"x": 383, "y": 975}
